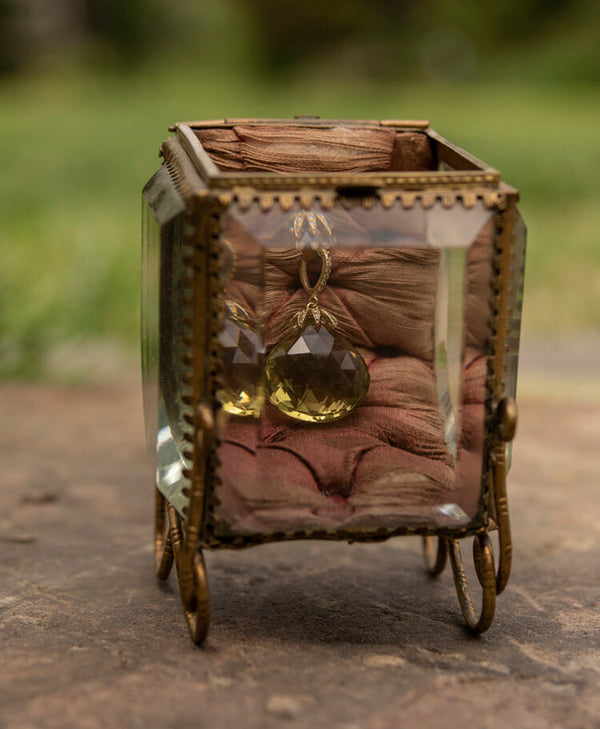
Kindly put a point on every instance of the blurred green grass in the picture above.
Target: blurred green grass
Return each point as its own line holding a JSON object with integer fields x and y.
{"x": 79, "y": 145}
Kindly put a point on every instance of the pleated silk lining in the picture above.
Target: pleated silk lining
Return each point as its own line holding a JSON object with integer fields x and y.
{"x": 285, "y": 149}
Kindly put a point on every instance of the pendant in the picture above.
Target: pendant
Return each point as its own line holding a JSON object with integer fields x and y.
{"x": 241, "y": 356}
{"x": 241, "y": 351}
{"x": 315, "y": 374}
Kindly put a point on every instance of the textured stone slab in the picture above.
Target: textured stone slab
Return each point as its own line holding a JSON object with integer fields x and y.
{"x": 304, "y": 634}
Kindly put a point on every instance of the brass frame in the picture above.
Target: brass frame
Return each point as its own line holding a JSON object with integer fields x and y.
{"x": 207, "y": 193}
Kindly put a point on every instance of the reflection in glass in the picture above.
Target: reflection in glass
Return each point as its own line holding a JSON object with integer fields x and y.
{"x": 170, "y": 461}
{"x": 241, "y": 354}
{"x": 162, "y": 336}
{"x": 150, "y": 321}
{"x": 517, "y": 277}
{"x": 449, "y": 341}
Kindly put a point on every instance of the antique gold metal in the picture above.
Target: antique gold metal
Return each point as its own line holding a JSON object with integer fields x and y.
{"x": 483, "y": 557}
{"x": 315, "y": 290}
{"x": 506, "y": 419}
{"x": 312, "y": 308}
{"x": 163, "y": 546}
{"x": 461, "y": 181}
{"x": 435, "y": 556}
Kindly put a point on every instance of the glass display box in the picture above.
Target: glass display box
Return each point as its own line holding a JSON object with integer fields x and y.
{"x": 330, "y": 334}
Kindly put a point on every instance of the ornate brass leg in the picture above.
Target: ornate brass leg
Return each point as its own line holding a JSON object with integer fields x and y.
{"x": 193, "y": 582}
{"x": 435, "y": 559}
{"x": 483, "y": 558}
{"x": 492, "y": 582}
{"x": 503, "y": 521}
{"x": 163, "y": 548}
{"x": 197, "y": 611}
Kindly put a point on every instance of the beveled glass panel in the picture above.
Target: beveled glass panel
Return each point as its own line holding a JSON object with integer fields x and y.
{"x": 448, "y": 330}
{"x": 368, "y": 395}
{"x": 162, "y": 334}
{"x": 515, "y": 302}
{"x": 150, "y": 320}
{"x": 172, "y": 427}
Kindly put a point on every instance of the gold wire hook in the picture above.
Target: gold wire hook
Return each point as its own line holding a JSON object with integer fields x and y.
{"x": 314, "y": 291}
{"x": 228, "y": 262}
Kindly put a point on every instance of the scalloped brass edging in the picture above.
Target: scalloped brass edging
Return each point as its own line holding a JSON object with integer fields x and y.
{"x": 247, "y": 196}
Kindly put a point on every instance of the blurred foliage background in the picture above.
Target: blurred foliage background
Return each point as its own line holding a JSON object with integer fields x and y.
{"x": 89, "y": 87}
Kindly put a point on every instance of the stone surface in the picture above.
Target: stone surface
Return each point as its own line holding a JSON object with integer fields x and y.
{"x": 316, "y": 375}
{"x": 305, "y": 634}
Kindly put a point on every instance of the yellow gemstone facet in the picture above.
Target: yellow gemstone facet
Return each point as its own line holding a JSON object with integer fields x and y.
{"x": 316, "y": 375}
{"x": 241, "y": 355}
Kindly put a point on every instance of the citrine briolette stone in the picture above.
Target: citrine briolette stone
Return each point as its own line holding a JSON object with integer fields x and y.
{"x": 316, "y": 375}
{"x": 241, "y": 355}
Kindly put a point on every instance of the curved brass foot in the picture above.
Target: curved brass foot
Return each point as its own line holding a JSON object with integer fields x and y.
{"x": 506, "y": 423}
{"x": 197, "y": 612}
{"x": 435, "y": 559}
{"x": 503, "y": 522}
{"x": 193, "y": 582}
{"x": 163, "y": 547}
{"x": 483, "y": 558}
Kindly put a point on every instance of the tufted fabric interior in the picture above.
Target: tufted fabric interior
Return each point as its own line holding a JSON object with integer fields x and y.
{"x": 386, "y": 464}
{"x": 285, "y": 149}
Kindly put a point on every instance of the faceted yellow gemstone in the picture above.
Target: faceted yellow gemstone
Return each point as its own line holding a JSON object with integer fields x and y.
{"x": 316, "y": 375}
{"x": 241, "y": 355}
